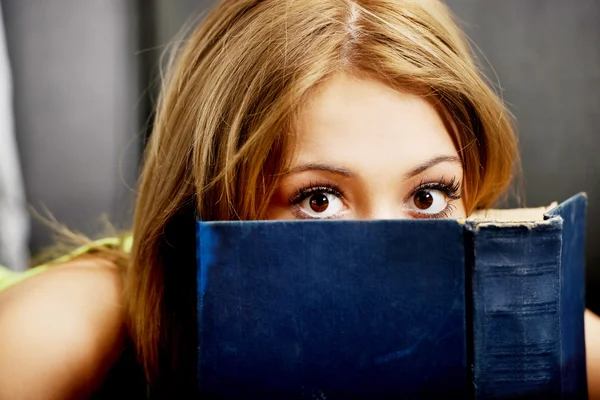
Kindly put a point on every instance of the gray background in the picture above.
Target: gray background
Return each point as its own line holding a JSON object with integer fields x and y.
{"x": 81, "y": 68}
{"x": 76, "y": 90}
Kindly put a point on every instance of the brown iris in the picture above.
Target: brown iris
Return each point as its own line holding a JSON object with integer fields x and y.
{"x": 423, "y": 200}
{"x": 319, "y": 202}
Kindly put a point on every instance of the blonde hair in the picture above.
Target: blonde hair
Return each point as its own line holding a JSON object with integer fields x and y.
{"x": 223, "y": 122}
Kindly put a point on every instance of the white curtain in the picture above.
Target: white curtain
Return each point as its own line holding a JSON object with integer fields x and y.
{"x": 14, "y": 219}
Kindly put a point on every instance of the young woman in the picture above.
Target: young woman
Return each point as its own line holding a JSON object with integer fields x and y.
{"x": 274, "y": 110}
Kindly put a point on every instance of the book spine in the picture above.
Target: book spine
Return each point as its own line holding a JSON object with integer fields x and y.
{"x": 515, "y": 306}
{"x": 573, "y": 366}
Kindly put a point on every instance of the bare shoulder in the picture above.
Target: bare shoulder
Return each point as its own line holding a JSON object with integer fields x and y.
{"x": 592, "y": 350}
{"x": 60, "y": 331}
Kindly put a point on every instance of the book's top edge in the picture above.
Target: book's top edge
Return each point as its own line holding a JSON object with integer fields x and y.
{"x": 334, "y": 221}
{"x": 517, "y": 215}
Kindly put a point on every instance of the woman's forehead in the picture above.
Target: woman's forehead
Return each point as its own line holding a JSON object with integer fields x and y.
{"x": 364, "y": 125}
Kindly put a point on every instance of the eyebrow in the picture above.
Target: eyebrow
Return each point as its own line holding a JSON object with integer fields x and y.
{"x": 321, "y": 167}
{"x": 349, "y": 174}
{"x": 431, "y": 163}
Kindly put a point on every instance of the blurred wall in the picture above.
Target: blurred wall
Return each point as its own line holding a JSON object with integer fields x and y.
{"x": 171, "y": 16}
{"x": 14, "y": 216}
{"x": 76, "y": 92}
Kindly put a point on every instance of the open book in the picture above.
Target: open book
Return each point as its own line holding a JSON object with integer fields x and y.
{"x": 488, "y": 308}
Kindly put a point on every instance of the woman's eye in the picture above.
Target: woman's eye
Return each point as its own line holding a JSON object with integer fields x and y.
{"x": 429, "y": 201}
{"x": 321, "y": 205}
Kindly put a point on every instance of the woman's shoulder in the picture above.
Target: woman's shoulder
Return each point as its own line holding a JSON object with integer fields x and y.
{"x": 61, "y": 330}
{"x": 592, "y": 349}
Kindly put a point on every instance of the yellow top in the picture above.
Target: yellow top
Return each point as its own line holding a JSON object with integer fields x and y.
{"x": 10, "y": 278}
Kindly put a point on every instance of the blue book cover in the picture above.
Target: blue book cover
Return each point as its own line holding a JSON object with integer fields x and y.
{"x": 487, "y": 308}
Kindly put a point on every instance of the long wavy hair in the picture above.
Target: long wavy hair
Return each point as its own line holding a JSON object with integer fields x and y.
{"x": 225, "y": 122}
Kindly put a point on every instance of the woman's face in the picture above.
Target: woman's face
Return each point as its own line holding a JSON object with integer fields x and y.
{"x": 365, "y": 151}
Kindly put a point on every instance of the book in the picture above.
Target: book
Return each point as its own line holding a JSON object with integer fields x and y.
{"x": 490, "y": 307}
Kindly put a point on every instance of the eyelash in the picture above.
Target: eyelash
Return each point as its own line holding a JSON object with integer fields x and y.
{"x": 301, "y": 193}
{"x": 451, "y": 189}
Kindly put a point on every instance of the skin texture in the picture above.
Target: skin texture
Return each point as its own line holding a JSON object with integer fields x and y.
{"x": 592, "y": 344}
{"x": 62, "y": 330}
{"x": 373, "y": 137}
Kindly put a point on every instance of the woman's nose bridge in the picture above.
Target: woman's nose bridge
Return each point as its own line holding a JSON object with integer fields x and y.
{"x": 384, "y": 208}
